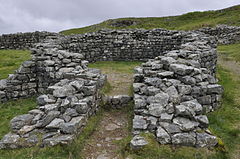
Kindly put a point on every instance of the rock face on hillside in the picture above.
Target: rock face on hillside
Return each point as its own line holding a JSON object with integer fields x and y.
{"x": 173, "y": 91}
{"x": 123, "y": 23}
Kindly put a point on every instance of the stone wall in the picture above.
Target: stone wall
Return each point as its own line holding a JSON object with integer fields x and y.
{"x": 173, "y": 94}
{"x": 132, "y": 45}
{"x": 22, "y": 40}
{"x": 185, "y": 72}
{"x": 58, "y": 54}
{"x": 225, "y": 34}
{"x": 60, "y": 115}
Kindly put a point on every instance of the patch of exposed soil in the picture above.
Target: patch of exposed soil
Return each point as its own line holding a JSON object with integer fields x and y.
{"x": 101, "y": 144}
{"x": 114, "y": 124}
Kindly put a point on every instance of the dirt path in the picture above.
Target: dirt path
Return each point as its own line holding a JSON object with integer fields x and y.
{"x": 114, "y": 124}
{"x": 102, "y": 144}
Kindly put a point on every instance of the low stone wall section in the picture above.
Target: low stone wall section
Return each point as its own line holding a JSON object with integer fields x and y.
{"x": 60, "y": 115}
{"x": 23, "y": 40}
{"x": 172, "y": 96}
{"x": 224, "y": 34}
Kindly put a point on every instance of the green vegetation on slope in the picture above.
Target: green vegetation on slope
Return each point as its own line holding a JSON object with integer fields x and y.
{"x": 10, "y": 60}
{"x": 11, "y": 109}
{"x": 189, "y": 21}
{"x": 231, "y": 51}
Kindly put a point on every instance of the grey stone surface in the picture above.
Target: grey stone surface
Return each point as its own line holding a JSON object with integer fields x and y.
{"x": 3, "y": 84}
{"x": 63, "y": 91}
{"x": 171, "y": 128}
{"x": 73, "y": 125}
{"x": 156, "y": 109}
{"x": 187, "y": 139}
{"x": 181, "y": 69}
{"x": 162, "y": 136}
{"x": 119, "y": 101}
{"x": 138, "y": 142}
{"x": 19, "y": 121}
{"x": 10, "y": 140}
{"x": 50, "y": 116}
{"x": 139, "y": 122}
{"x": 55, "y": 124}
{"x": 185, "y": 124}
{"x": 206, "y": 140}
{"x": 63, "y": 139}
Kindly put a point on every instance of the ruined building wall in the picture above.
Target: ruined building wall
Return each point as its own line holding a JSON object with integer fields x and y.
{"x": 224, "y": 34}
{"x": 58, "y": 54}
{"x": 182, "y": 70}
{"x": 22, "y": 40}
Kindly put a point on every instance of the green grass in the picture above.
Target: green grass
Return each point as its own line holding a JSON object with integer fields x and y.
{"x": 10, "y": 60}
{"x": 119, "y": 74}
{"x": 11, "y": 109}
{"x": 231, "y": 51}
{"x": 226, "y": 121}
{"x": 189, "y": 21}
{"x": 116, "y": 66}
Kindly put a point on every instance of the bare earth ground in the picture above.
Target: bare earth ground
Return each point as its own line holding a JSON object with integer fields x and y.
{"x": 114, "y": 124}
{"x": 113, "y": 127}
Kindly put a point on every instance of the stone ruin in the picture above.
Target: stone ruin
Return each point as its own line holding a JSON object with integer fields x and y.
{"x": 173, "y": 89}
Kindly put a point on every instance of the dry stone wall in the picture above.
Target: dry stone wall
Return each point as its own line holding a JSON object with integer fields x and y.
{"x": 224, "y": 34}
{"x": 22, "y": 40}
{"x": 172, "y": 92}
{"x": 60, "y": 115}
{"x": 58, "y": 54}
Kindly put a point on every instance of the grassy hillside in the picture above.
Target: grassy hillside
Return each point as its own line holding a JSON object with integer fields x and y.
{"x": 231, "y": 51}
{"x": 10, "y": 60}
{"x": 189, "y": 21}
